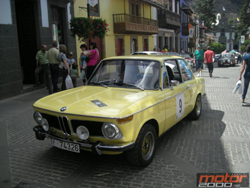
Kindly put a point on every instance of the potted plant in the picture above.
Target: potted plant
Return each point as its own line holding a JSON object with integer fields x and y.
{"x": 87, "y": 28}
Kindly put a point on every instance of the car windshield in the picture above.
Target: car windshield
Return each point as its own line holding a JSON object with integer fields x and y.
{"x": 141, "y": 74}
{"x": 228, "y": 55}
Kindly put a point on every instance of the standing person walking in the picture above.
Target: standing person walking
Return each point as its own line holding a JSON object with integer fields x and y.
{"x": 42, "y": 64}
{"x": 198, "y": 56}
{"x": 93, "y": 56}
{"x": 54, "y": 65}
{"x": 246, "y": 67}
{"x": 64, "y": 66}
{"x": 208, "y": 59}
{"x": 83, "y": 64}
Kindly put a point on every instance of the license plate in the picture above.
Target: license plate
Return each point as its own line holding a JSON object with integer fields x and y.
{"x": 65, "y": 145}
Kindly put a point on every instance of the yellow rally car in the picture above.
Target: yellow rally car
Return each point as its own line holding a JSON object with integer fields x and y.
{"x": 128, "y": 103}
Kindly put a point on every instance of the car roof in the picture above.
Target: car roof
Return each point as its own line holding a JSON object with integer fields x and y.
{"x": 145, "y": 57}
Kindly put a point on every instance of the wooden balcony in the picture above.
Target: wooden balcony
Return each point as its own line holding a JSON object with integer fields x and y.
{"x": 169, "y": 20}
{"x": 129, "y": 24}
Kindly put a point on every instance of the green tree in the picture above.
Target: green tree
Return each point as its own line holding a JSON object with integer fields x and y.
{"x": 218, "y": 47}
{"x": 244, "y": 45}
{"x": 244, "y": 18}
{"x": 205, "y": 10}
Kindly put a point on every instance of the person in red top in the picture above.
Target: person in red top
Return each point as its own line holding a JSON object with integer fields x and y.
{"x": 208, "y": 59}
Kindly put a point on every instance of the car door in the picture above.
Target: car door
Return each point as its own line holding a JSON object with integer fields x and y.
{"x": 174, "y": 93}
{"x": 188, "y": 84}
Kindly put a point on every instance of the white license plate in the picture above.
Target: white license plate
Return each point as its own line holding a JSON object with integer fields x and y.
{"x": 65, "y": 145}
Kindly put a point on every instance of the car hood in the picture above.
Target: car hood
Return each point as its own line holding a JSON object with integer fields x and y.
{"x": 97, "y": 101}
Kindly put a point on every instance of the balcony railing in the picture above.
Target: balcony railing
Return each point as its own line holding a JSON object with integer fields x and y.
{"x": 168, "y": 19}
{"x": 128, "y": 24}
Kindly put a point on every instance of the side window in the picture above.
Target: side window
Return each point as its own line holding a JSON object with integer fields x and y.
{"x": 173, "y": 70}
{"x": 165, "y": 78}
{"x": 185, "y": 70}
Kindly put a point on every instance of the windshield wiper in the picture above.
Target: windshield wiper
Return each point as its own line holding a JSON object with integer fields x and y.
{"x": 98, "y": 83}
{"x": 141, "y": 88}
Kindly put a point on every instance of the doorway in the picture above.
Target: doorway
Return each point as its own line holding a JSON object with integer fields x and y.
{"x": 27, "y": 39}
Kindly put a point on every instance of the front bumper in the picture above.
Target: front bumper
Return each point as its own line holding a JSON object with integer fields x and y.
{"x": 96, "y": 147}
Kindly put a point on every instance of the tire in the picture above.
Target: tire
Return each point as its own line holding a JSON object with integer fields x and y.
{"x": 196, "y": 112}
{"x": 144, "y": 150}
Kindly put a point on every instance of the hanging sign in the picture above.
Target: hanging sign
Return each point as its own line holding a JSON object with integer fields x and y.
{"x": 242, "y": 39}
{"x": 92, "y": 2}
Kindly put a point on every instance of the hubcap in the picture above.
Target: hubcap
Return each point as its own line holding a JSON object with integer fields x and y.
{"x": 148, "y": 146}
{"x": 198, "y": 106}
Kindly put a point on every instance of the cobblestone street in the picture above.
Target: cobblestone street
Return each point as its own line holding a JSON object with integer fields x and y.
{"x": 218, "y": 142}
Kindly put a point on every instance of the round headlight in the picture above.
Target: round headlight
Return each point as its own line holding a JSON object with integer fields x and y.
{"x": 38, "y": 118}
{"x": 110, "y": 131}
{"x": 45, "y": 124}
{"x": 82, "y": 132}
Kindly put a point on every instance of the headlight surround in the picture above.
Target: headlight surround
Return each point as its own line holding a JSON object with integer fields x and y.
{"x": 111, "y": 131}
{"x": 38, "y": 118}
{"x": 82, "y": 132}
{"x": 45, "y": 124}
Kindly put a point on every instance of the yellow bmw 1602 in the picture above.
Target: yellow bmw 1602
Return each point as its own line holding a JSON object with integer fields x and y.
{"x": 128, "y": 102}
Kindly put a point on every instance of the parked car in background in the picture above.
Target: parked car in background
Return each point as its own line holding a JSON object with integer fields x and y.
{"x": 173, "y": 53}
{"x": 216, "y": 57}
{"x": 226, "y": 59}
{"x": 188, "y": 59}
{"x": 128, "y": 102}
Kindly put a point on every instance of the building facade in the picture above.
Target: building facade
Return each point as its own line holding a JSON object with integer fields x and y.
{"x": 25, "y": 26}
{"x": 186, "y": 12}
{"x": 131, "y": 25}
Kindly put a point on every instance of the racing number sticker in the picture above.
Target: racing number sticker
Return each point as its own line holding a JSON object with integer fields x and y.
{"x": 180, "y": 105}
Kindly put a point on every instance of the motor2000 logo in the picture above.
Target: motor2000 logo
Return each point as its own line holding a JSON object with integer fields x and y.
{"x": 223, "y": 180}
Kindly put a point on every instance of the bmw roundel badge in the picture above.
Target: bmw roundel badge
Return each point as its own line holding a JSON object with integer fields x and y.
{"x": 63, "y": 109}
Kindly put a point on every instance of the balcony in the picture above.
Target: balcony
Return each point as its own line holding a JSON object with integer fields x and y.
{"x": 129, "y": 24}
{"x": 184, "y": 30}
{"x": 169, "y": 20}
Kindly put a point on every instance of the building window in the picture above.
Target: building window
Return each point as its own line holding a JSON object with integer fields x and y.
{"x": 5, "y": 12}
{"x": 57, "y": 24}
{"x": 170, "y": 5}
{"x": 173, "y": 5}
{"x": 178, "y": 7}
{"x": 134, "y": 8}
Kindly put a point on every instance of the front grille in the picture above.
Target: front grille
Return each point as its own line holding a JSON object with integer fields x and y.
{"x": 60, "y": 123}
{"x": 95, "y": 128}
{"x": 64, "y": 124}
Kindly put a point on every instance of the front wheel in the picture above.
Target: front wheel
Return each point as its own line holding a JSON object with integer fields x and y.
{"x": 143, "y": 152}
{"x": 196, "y": 112}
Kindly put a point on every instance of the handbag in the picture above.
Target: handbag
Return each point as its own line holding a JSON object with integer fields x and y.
{"x": 68, "y": 82}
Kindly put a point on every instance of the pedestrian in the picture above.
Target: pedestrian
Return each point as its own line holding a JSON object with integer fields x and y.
{"x": 182, "y": 51}
{"x": 54, "y": 65}
{"x": 198, "y": 56}
{"x": 245, "y": 67}
{"x": 208, "y": 59}
{"x": 93, "y": 56}
{"x": 71, "y": 60}
{"x": 83, "y": 63}
{"x": 74, "y": 73}
{"x": 42, "y": 64}
{"x": 64, "y": 66}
